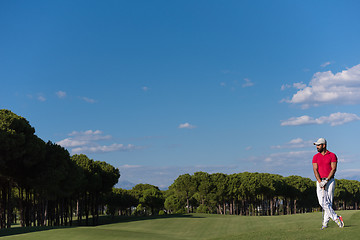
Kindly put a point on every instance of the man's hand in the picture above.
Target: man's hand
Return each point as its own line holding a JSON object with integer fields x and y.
{"x": 323, "y": 183}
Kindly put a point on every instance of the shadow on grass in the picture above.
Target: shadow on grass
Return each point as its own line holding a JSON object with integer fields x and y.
{"x": 103, "y": 220}
{"x": 22, "y": 230}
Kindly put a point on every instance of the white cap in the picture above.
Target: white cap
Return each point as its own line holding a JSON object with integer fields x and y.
{"x": 320, "y": 141}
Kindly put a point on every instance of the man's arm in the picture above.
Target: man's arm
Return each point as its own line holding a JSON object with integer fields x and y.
{"x": 333, "y": 169}
{"x": 316, "y": 172}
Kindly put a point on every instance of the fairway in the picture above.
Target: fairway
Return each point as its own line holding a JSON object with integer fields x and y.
{"x": 204, "y": 226}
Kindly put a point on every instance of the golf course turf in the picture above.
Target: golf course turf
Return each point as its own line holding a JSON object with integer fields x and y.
{"x": 201, "y": 226}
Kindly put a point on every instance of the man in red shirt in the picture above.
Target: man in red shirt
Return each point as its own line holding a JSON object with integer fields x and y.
{"x": 324, "y": 166}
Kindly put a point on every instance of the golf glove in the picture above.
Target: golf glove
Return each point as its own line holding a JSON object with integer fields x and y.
{"x": 323, "y": 183}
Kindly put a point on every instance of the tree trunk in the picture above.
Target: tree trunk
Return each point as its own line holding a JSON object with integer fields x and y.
{"x": 231, "y": 208}
{"x": 219, "y": 209}
{"x": 2, "y": 207}
{"x": 9, "y": 206}
{"x": 242, "y": 207}
{"x": 187, "y": 204}
{"x": 45, "y": 212}
{"x": 71, "y": 211}
{"x": 21, "y": 205}
{"x": 288, "y": 209}
{"x": 235, "y": 208}
{"x": 87, "y": 209}
{"x": 77, "y": 208}
{"x": 62, "y": 212}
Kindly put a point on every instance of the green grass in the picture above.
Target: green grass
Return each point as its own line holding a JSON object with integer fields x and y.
{"x": 202, "y": 226}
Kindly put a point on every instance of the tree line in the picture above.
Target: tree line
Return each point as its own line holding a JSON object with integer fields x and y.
{"x": 254, "y": 194}
{"x": 41, "y": 184}
{"x": 251, "y": 194}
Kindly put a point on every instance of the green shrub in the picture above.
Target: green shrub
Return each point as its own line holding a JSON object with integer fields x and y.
{"x": 202, "y": 209}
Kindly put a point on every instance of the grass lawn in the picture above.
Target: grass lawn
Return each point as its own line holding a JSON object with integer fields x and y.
{"x": 202, "y": 226}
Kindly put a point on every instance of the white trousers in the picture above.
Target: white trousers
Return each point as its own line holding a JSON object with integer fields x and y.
{"x": 325, "y": 197}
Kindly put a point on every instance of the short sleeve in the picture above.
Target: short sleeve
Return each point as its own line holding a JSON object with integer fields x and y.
{"x": 314, "y": 160}
{"x": 334, "y": 158}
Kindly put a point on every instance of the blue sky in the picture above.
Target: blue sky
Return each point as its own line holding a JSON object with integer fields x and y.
{"x": 163, "y": 88}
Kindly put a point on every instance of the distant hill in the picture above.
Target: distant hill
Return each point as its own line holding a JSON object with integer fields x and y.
{"x": 125, "y": 184}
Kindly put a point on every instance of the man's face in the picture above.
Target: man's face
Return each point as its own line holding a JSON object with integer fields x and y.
{"x": 320, "y": 147}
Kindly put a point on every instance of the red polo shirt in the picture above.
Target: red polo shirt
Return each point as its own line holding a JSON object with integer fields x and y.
{"x": 324, "y": 163}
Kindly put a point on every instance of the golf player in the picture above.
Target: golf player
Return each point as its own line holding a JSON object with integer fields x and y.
{"x": 324, "y": 166}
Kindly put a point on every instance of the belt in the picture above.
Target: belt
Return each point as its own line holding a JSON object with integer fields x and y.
{"x": 325, "y": 178}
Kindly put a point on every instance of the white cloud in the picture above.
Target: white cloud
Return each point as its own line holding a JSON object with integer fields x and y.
{"x": 325, "y": 64}
{"x": 126, "y": 166}
{"x": 248, "y": 83}
{"x": 268, "y": 159}
{"x": 235, "y": 84}
{"x": 328, "y": 88}
{"x": 90, "y": 135}
{"x": 87, "y": 142}
{"x": 186, "y": 125}
{"x": 333, "y": 119}
{"x": 103, "y": 149}
{"x": 88, "y": 100}
{"x": 145, "y": 89}
{"x": 83, "y": 138}
{"x": 295, "y": 143}
{"x": 299, "y": 85}
{"x": 69, "y": 142}
{"x": 226, "y": 71}
{"x": 296, "y": 121}
{"x": 41, "y": 98}
{"x": 61, "y": 94}
{"x": 285, "y": 86}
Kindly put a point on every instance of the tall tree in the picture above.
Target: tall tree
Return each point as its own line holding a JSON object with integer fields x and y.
{"x": 20, "y": 151}
{"x": 149, "y": 197}
{"x": 184, "y": 188}
{"x": 220, "y": 191}
{"x": 204, "y": 188}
